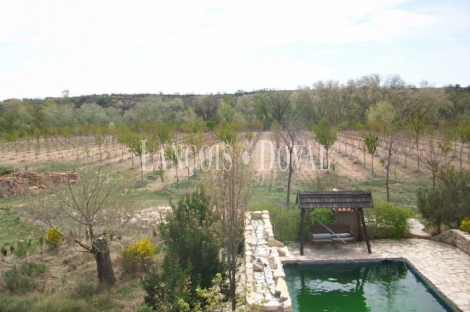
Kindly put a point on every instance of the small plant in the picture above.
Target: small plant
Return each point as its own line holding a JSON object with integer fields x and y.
{"x": 25, "y": 278}
{"x": 138, "y": 257}
{"x": 21, "y": 249}
{"x": 85, "y": 288}
{"x": 144, "y": 309}
{"x": 6, "y": 170}
{"x": 465, "y": 225}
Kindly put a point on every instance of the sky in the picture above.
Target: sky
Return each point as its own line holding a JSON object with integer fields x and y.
{"x": 203, "y": 47}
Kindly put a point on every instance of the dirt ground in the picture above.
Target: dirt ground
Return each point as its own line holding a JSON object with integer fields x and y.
{"x": 346, "y": 156}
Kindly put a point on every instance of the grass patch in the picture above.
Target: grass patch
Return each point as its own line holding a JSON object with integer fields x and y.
{"x": 262, "y": 194}
{"x": 57, "y": 167}
{"x": 150, "y": 198}
{"x": 5, "y": 170}
{"x": 127, "y": 291}
{"x": 25, "y": 278}
{"x": 16, "y": 228}
{"x": 286, "y": 222}
{"x": 42, "y": 303}
{"x": 402, "y": 191}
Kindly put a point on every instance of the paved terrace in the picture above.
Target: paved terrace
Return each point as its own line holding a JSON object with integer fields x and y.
{"x": 444, "y": 266}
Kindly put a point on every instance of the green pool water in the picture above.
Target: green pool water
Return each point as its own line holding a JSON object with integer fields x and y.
{"x": 384, "y": 286}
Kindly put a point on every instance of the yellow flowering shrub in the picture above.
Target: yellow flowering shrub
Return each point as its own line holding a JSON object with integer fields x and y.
{"x": 465, "y": 226}
{"x": 53, "y": 238}
{"x": 138, "y": 257}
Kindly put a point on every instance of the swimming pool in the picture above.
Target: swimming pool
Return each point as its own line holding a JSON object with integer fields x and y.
{"x": 367, "y": 286}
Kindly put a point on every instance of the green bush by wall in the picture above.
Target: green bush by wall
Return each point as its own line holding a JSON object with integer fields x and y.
{"x": 386, "y": 220}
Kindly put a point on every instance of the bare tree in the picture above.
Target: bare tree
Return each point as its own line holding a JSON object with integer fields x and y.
{"x": 382, "y": 117}
{"x": 87, "y": 212}
{"x": 230, "y": 187}
{"x": 418, "y": 129}
{"x": 289, "y": 138}
{"x": 406, "y": 149}
{"x": 434, "y": 159}
{"x": 390, "y": 137}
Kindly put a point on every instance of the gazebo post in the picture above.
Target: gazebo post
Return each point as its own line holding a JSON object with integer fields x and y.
{"x": 364, "y": 229}
{"x": 301, "y": 231}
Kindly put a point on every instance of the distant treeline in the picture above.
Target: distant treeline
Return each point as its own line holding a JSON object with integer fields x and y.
{"x": 343, "y": 105}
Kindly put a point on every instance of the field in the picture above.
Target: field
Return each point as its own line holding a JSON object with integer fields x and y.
{"x": 72, "y": 272}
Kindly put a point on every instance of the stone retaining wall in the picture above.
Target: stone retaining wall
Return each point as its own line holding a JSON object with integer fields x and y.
{"x": 261, "y": 279}
{"x": 24, "y": 182}
{"x": 456, "y": 238}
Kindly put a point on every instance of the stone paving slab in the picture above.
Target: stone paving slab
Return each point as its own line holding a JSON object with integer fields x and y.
{"x": 444, "y": 266}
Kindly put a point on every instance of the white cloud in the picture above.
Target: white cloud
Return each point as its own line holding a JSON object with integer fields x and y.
{"x": 184, "y": 46}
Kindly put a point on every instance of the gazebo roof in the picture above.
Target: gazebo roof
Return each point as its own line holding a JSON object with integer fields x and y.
{"x": 335, "y": 199}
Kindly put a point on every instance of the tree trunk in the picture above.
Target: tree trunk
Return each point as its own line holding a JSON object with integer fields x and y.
{"x": 194, "y": 161}
{"x": 141, "y": 168}
{"x": 232, "y": 269}
{"x": 103, "y": 261}
{"x": 153, "y": 163}
{"x": 288, "y": 188}
{"x": 418, "y": 153}
{"x": 387, "y": 186}
{"x": 327, "y": 161}
{"x": 372, "y": 159}
{"x": 289, "y": 178}
{"x": 461, "y": 154}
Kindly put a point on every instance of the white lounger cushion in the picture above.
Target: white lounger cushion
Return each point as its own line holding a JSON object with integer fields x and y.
{"x": 321, "y": 236}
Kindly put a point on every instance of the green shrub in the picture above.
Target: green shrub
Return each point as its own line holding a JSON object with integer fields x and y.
{"x": 286, "y": 222}
{"x": 192, "y": 255}
{"x": 144, "y": 309}
{"x": 449, "y": 202}
{"x": 24, "y": 279}
{"x": 386, "y": 220}
{"x": 6, "y": 170}
{"x": 167, "y": 290}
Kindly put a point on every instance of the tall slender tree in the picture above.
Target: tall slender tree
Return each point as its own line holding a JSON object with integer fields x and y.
{"x": 289, "y": 137}
{"x": 325, "y": 136}
{"x": 383, "y": 118}
{"x": 230, "y": 190}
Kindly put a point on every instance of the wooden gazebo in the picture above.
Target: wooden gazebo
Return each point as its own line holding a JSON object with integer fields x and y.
{"x": 354, "y": 200}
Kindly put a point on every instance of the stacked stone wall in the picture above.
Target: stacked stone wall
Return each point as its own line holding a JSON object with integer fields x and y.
{"x": 456, "y": 238}
{"x": 262, "y": 278}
